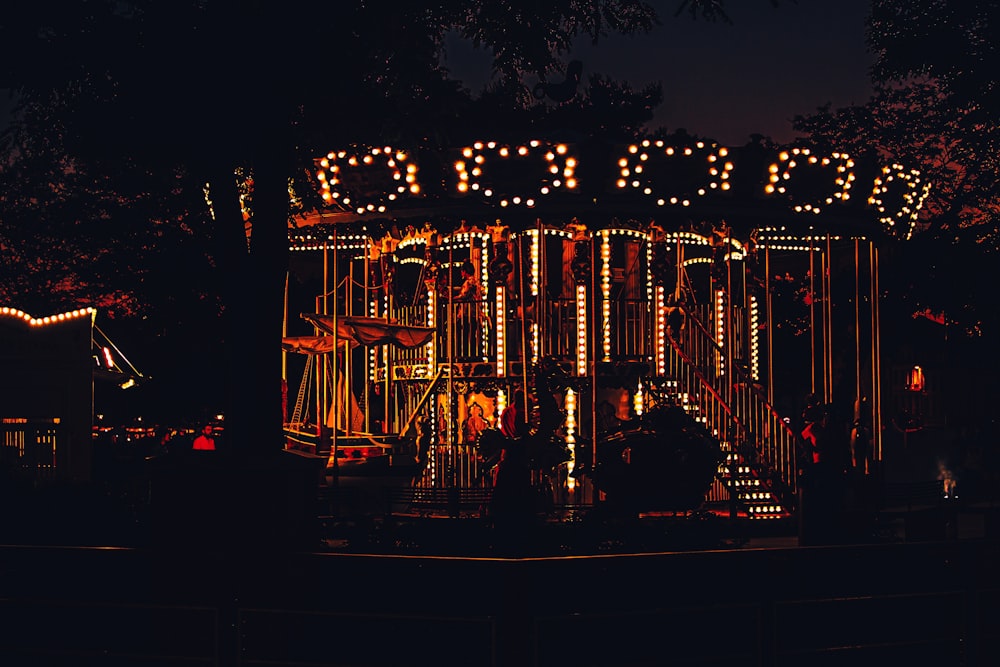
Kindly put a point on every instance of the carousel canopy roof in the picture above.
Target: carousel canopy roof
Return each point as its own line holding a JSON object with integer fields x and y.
{"x": 679, "y": 181}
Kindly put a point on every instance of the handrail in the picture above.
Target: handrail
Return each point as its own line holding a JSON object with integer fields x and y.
{"x": 736, "y": 370}
{"x": 746, "y": 408}
{"x": 421, "y": 403}
{"x": 701, "y": 376}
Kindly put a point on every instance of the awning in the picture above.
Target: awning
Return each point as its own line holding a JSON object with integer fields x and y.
{"x": 308, "y": 344}
{"x": 369, "y": 331}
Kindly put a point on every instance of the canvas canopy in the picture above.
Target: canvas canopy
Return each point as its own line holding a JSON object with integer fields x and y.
{"x": 355, "y": 331}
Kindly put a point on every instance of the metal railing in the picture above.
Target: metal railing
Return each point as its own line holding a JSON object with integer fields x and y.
{"x": 730, "y": 404}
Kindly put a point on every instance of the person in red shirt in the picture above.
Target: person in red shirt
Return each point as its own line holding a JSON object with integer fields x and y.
{"x": 205, "y": 442}
{"x": 513, "y": 422}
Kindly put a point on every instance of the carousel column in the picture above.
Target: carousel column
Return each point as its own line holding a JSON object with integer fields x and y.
{"x": 499, "y": 272}
{"x": 605, "y": 296}
{"x": 536, "y": 293}
{"x": 582, "y": 269}
{"x": 430, "y": 285}
{"x": 828, "y": 320}
{"x": 387, "y": 259}
{"x": 661, "y": 272}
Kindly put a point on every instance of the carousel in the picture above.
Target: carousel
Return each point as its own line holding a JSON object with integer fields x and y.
{"x": 660, "y": 315}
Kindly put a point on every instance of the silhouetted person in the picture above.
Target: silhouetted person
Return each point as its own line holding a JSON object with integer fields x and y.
{"x": 511, "y": 507}
{"x": 861, "y": 438}
{"x": 823, "y": 479}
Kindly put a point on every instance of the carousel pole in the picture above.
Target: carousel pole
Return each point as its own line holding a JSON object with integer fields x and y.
{"x": 770, "y": 324}
{"x": 540, "y": 304}
{"x": 387, "y": 351}
{"x": 284, "y": 333}
{"x": 857, "y": 324}
{"x": 322, "y": 360}
{"x": 348, "y": 354}
{"x": 450, "y": 435}
{"x": 730, "y": 336}
{"x": 365, "y": 289}
{"x": 828, "y": 309}
{"x": 524, "y": 321}
{"x": 335, "y": 403}
{"x": 876, "y": 353}
{"x": 812, "y": 318}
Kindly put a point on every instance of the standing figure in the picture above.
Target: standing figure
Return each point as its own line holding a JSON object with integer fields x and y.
{"x": 511, "y": 506}
{"x": 469, "y": 313}
{"x": 823, "y": 486}
{"x": 861, "y": 438}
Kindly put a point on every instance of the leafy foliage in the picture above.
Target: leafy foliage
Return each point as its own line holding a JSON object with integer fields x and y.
{"x": 934, "y": 107}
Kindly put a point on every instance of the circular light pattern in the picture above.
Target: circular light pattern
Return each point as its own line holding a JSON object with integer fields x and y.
{"x": 780, "y": 173}
{"x": 913, "y": 197}
{"x": 335, "y": 167}
{"x": 521, "y": 175}
{"x": 634, "y": 167}
{"x": 559, "y": 169}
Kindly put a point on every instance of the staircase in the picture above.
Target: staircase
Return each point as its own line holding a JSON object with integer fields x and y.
{"x": 303, "y": 390}
{"x": 757, "y": 476}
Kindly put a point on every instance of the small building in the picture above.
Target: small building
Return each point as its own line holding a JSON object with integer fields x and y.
{"x": 50, "y": 365}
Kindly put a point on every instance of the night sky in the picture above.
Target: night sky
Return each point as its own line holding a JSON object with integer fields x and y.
{"x": 727, "y": 82}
